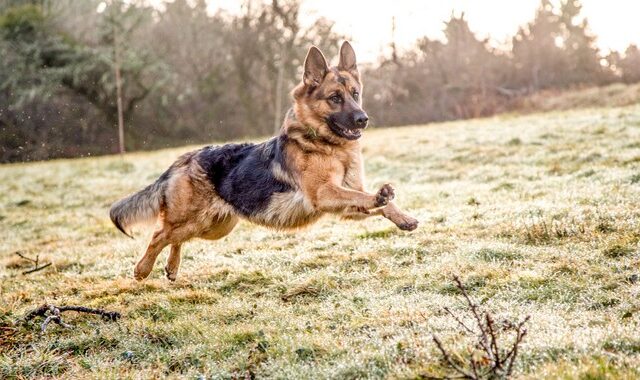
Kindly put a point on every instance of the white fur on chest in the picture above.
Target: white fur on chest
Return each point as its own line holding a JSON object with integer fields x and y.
{"x": 288, "y": 210}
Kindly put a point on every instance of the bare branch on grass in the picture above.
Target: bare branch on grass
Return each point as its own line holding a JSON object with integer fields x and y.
{"x": 52, "y": 313}
{"x": 494, "y": 361}
{"x": 36, "y": 261}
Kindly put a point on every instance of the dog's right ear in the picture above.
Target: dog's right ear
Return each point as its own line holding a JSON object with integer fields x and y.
{"x": 315, "y": 67}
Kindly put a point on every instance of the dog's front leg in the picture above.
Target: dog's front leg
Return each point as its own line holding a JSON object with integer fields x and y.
{"x": 335, "y": 198}
{"x": 355, "y": 213}
{"x": 391, "y": 211}
{"x": 398, "y": 217}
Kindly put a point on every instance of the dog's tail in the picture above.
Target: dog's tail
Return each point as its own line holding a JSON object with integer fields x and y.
{"x": 141, "y": 207}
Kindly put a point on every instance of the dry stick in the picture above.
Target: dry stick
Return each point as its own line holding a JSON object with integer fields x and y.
{"x": 474, "y": 310}
{"x": 447, "y": 359}
{"x": 37, "y": 268}
{"x": 521, "y": 332}
{"x": 54, "y": 314}
{"x": 35, "y": 263}
{"x": 494, "y": 339}
{"x": 473, "y": 368}
{"x": 27, "y": 258}
{"x": 55, "y": 317}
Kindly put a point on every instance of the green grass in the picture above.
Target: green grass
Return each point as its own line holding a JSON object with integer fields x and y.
{"x": 537, "y": 214}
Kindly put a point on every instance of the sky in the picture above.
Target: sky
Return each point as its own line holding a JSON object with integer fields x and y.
{"x": 368, "y": 23}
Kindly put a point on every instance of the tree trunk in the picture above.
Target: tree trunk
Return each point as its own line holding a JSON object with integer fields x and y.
{"x": 277, "y": 118}
{"x": 116, "y": 49}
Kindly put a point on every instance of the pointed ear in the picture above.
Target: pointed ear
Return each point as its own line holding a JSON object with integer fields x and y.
{"x": 315, "y": 67}
{"x": 347, "y": 59}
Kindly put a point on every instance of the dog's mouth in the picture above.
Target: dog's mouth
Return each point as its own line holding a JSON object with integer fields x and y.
{"x": 347, "y": 133}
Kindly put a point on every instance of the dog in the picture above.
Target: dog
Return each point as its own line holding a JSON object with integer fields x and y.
{"x": 314, "y": 166}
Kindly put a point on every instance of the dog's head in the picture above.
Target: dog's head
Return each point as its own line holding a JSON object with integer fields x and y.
{"x": 329, "y": 99}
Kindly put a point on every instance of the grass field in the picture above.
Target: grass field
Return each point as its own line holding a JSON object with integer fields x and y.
{"x": 539, "y": 215}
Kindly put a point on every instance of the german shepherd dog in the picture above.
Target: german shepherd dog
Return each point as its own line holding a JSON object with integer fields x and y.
{"x": 313, "y": 167}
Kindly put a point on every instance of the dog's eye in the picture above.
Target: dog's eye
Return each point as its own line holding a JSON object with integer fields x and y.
{"x": 337, "y": 99}
{"x": 356, "y": 95}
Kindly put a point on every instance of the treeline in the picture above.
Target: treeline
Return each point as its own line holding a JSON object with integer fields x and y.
{"x": 187, "y": 76}
{"x": 191, "y": 77}
{"x": 464, "y": 77}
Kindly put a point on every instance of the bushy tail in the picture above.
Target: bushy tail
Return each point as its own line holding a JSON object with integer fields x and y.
{"x": 141, "y": 207}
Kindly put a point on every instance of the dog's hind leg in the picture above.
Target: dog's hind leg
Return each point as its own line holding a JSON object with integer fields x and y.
{"x": 173, "y": 262}
{"x": 220, "y": 229}
{"x": 156, "y": 245}
{"x": 216, "y": 231}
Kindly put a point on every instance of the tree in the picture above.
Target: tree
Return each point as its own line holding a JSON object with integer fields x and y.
{"x": 46, "y": 67}
{"x": 114, "y": 77}
{"x": 537, "y": 56}
{"x": 30, "y": 76}
{"x": 556, "y": 49}
{"x": 629, "y": 65}
{"x": 267, "y": 45}
{"x": 455, "y": 78}
{"x": 582, "y": 55}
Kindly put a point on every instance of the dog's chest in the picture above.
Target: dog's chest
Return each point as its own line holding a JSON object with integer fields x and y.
{"x": 353, "y": 171}
{"x": 293, "y": 208}
{"x": 290, "y": 209}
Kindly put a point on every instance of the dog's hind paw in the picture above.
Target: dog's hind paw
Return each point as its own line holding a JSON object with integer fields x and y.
{"x": 171, "y": 276}
{"x": 138, "y": 276}
{"x": 141, "y": 272}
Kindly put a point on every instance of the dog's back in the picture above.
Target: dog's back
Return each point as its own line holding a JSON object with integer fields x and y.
{"x": 241, "y": 174}
{"x": 255, "y": 180}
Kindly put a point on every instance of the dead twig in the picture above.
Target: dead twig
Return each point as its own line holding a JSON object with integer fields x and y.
{"x": 35, "y": 262}
{"x": 36, "y": 268}
{"x": 51, "y": 313}
{"x": 495, "y": 362}
{"x": 447, "y": 358}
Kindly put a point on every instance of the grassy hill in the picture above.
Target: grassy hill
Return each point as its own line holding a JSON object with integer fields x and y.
{"x": 613, "y": 95}
{"x": 539, "y": 215}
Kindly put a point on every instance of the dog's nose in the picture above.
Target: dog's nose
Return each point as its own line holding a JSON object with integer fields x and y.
{"x": 361, "y": 119}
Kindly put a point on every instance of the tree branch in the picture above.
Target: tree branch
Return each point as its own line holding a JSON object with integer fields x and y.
{"x": 51, "y": 313}
{"x": 35, "y": 262}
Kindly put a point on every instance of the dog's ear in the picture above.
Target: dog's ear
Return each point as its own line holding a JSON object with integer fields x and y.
{"x": 315, "y": 67}
{"x": 348, "y": 59}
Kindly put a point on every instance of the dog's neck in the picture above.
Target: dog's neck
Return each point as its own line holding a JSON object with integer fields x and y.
{"x": 308, "y": 138}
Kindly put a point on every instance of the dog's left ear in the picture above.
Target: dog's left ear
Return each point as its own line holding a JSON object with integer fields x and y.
{"x": 348, "y": 59}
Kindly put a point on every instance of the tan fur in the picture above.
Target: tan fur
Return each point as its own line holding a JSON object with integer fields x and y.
{"x": 324, "y": 169}
{"x": 192, "y": 210}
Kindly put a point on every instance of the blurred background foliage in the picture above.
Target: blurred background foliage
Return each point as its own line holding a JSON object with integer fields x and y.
{"x": 189, "y": 76}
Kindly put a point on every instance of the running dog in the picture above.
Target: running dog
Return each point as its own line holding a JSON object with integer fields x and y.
{"x": 313, "y": 167}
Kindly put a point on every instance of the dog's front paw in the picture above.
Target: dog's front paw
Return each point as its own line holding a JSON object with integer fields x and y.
{"x": 384, "y": 195}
